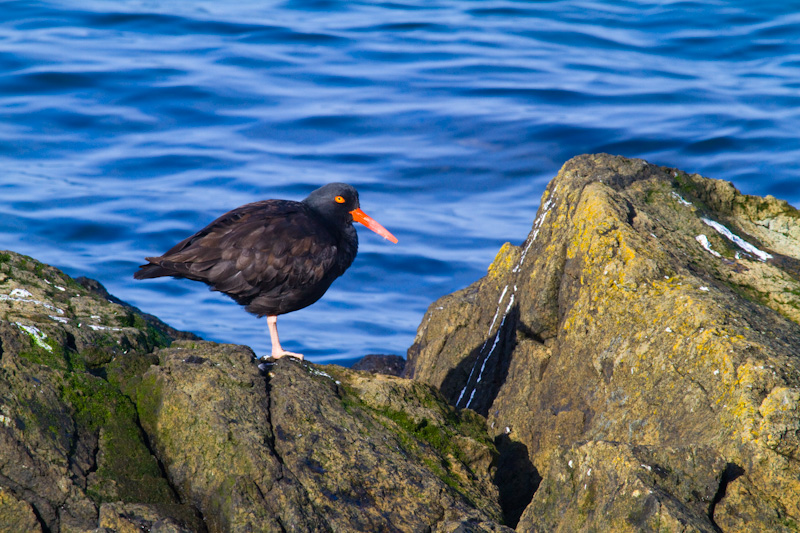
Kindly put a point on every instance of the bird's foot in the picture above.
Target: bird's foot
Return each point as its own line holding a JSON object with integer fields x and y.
{"x": 277, "y": 354}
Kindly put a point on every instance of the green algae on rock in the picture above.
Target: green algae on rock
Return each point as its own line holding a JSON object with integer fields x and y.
{"x": 70, "y": 437}
{"x": 647, "y": 307}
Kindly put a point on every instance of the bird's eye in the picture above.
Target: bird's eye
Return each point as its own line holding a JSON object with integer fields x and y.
{"x": 339, "y": 199}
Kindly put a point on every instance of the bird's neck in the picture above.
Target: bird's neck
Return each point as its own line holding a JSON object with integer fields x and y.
{"x": 348, "y": 247}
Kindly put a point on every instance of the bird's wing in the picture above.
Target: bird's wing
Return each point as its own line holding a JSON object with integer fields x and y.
{"x": 269, "y": 246}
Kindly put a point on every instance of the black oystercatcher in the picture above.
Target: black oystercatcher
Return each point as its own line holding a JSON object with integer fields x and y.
{"x": 273, "y": 256}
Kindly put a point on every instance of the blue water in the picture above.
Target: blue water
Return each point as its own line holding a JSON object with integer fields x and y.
{"x": 127, "y": 125}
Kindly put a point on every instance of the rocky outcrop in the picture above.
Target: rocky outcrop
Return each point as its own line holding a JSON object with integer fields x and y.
{"x": 633, "y": 366}
{"x": 70, "y": 441}
{"x": 105, "y": 422}
{"x": 642, "y": 347}
{"x": 307, "y": 448}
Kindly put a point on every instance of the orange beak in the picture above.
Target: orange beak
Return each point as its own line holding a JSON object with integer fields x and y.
{"x": 361, "y": 216}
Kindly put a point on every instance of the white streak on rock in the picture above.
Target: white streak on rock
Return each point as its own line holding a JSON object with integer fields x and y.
{"x": 37, "y": 335}
{"x": 494, "y": 345}
{"x": 316, "y": 372}
{"x": 475, "y": 365}
{"x": 738, "y": 241}
{"x": 537, "y": 225}
{"x": 21, "y": 295}
{"x": 680, "y": 198}
{"x": 101, "y": 328}
{"x": 703, "y": 240}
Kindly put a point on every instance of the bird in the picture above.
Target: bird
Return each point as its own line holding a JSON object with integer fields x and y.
{"x": 272, "y": 256}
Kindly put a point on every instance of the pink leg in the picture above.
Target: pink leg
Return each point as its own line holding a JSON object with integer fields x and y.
{"x": 277, "y": 351}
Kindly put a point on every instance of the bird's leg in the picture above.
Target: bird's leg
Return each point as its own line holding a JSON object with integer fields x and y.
{"x": 277, "y": 351}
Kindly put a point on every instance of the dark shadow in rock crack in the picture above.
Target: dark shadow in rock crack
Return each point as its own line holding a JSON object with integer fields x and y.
{"x": 516, "y": 478}
{"x": 731, "y": 473}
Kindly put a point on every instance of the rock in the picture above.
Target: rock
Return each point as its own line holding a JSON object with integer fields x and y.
{"x": 69, "y": 436}
{"x": 631, "y": 367}
{"x": 97, "y": 288}
{"x": 106, "y": 424}
{"x": 612, "y": 486}
{"x": 310, "y": 448}
{"x": 17, "y": 515}
{"x": 649, "y": 314}
{"x": 391, "y": 365}
{"x": 134, "y": 518}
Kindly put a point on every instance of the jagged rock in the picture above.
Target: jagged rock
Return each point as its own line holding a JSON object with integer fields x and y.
{"x": 309, "y": 448}
{"x": 105, "y": 428}
{"x": 611, "y": 486}
{"x": 647, "y": 307}
{"x": 391, "y": 365}
{"x": 636, "y": 359}
{"x": 122, "y": 517}
{"x": 69, "y": 438}
{"x": 16, "y": 514}
{"x": 97, "y": 288}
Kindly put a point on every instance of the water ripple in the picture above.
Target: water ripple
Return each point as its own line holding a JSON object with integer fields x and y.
{"x": 128, "y": 125}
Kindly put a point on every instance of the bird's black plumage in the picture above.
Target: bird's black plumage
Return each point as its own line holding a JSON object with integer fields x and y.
{"x": 273, "y": 256}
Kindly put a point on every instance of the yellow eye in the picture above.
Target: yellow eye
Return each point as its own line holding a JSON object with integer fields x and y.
{"x": 339, "y": 199}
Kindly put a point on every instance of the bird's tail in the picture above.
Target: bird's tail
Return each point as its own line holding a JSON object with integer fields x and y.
{"x": 152, "y": 270}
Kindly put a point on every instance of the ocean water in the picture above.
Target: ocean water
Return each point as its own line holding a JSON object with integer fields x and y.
{"x": 128, "y": 125}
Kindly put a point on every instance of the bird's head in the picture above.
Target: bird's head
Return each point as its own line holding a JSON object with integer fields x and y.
{"x": 339, "y": 201}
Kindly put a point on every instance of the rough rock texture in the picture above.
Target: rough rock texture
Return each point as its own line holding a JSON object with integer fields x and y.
{"x": 103, "y": 427}
{"x": 611, "y": 486}
{"x": 641, "y": 348}
{"x": 391, "y": 365}
{"x": 636, "y": 359}
{"x": 307, "y": 448}
{"x": 69, "y": 437}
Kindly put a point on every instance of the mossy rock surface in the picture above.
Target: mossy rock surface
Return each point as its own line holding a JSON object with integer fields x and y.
{"x": 71, "y": 438}
{"x": 647, "y": 307}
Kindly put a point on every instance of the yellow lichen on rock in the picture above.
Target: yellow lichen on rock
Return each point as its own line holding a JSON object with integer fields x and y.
{"x": 605, "y": 242}
{"x": 617, "y": 324}
{"x": 504, "y": 261}
{"x": 780, "y": 425}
